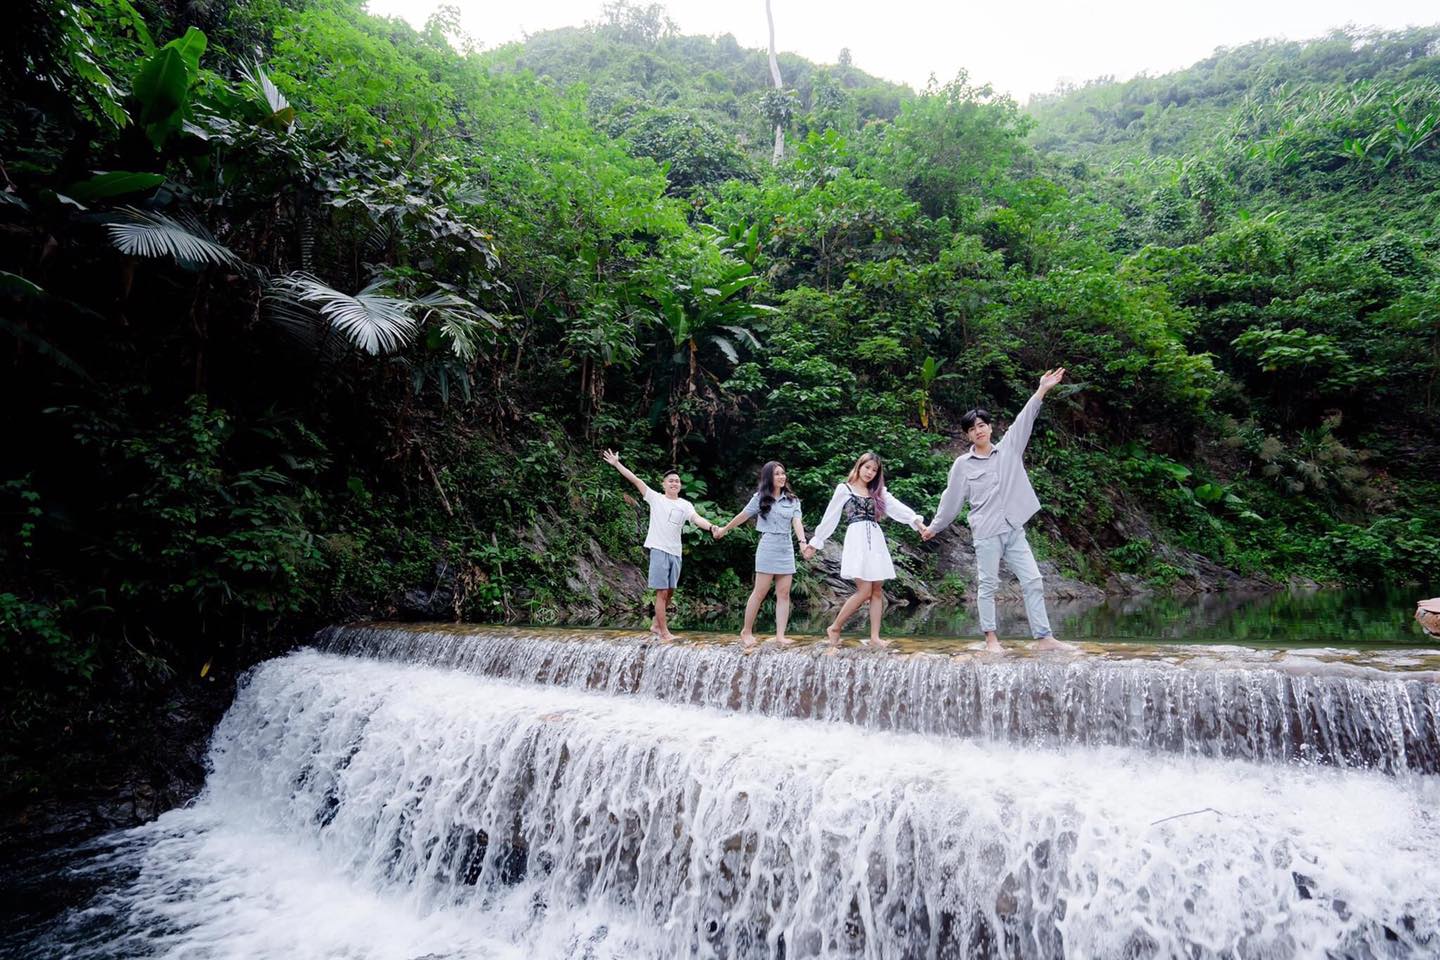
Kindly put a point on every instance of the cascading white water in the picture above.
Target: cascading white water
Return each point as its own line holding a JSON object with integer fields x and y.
{"x": 370, "y": 809}
{"x": 1226, "y": 704}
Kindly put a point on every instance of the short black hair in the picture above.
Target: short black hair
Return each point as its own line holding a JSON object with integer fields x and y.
{"x": 668, "y": 472}
{"x": 968, "y": 418}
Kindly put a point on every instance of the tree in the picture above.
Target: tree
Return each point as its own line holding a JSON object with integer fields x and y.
{"x": 775, "y": 114}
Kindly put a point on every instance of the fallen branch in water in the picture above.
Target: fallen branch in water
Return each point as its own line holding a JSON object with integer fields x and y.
{"x": 1190, "y": 814}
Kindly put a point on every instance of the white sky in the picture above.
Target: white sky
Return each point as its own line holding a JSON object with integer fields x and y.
{"x": 1020, "y": 47}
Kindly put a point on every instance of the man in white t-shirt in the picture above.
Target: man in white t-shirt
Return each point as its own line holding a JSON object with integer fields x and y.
{"x": 668, "y": 514}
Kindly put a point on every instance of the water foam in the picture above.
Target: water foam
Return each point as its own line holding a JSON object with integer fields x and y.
{"x": 368, "y": 809}
{"x": 1220, "y": 703}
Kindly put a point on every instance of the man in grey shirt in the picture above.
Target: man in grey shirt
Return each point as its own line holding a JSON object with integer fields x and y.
{"x": 992, "y": 477}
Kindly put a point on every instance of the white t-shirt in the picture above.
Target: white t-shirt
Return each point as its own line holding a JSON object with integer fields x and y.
{"x": 667, "y": 520}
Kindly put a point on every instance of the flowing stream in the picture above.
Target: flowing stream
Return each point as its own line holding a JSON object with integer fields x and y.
{"x": 476, "y": 793}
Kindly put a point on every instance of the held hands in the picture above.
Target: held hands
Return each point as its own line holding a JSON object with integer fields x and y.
{"x": 718, "y": 532}
{"x": 1050, "y": 379}
{"x": 919, "y": 524}
{"x": 927, "y": 534}
{"x": 808, "y": 552}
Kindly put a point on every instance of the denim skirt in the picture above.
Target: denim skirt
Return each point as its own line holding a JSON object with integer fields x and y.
{"x": 776, "y": 553}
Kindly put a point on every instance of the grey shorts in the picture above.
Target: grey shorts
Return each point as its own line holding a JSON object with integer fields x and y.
{"x": 664, "y": 570}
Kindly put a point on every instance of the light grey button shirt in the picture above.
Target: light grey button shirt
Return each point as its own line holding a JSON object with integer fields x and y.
{"x": 999, "y": 492}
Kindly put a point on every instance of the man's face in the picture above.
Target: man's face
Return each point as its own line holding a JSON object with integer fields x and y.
{"x": 671, "y": 485}
{"x": 979, "y": 432}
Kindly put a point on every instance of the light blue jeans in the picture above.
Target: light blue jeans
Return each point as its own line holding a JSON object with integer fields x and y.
{"x": 1015, "y": 549}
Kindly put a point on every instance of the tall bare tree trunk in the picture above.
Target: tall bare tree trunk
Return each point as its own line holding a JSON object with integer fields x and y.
{"x": 779, "y": 153}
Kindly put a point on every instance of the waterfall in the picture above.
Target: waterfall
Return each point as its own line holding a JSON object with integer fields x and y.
{"x": 1220, "y": 705}
{"x": 488, "y": 795}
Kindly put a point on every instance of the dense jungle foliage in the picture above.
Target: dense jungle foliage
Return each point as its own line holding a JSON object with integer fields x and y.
{"x": 309, "y": 314}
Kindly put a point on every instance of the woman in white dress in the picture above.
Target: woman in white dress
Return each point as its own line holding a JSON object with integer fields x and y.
{"x": 862, "y": 502}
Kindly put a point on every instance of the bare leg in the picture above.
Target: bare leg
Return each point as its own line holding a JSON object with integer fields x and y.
{"x": 752, "y": 607}
{"x": 861, "y": 594}
{"x": 662, "y": 625}
{"x": 877, "y": 611}
{"x": 782, "y": 605}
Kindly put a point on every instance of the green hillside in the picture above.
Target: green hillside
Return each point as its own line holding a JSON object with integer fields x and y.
{"x": 311, "y": 315}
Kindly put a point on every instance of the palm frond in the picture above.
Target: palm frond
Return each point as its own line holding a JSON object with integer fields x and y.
{"x": 378, "y": 235}
{"x": 144, "y": 233}
{"x": 726, "y": 347}
{"x": 368, "y": 319}
{"x": 461, "y": 322}
{"x": 300, "y": 320}
{"x": 282, "y": 114}
{"x": 42, "y": 347}
{"x": 743, "y": 335}
{"x": 447, "y": 300}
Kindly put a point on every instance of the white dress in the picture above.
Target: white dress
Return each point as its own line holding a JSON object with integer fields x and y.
{"x": 866, "y": 555}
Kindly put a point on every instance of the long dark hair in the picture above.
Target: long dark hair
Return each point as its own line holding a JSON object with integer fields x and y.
{"x": 765, "y": 489}
{"x": 876, "y": 486}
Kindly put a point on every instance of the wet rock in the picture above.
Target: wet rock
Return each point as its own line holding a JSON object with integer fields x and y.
{"x": 433, "y": 601}
{"x": 1427, "y": 614}
{"x": 957, "y": 555}
{"x": 828, "y": 589}
{"x": 596, "y": 579}
{"x": 114, "y": 781}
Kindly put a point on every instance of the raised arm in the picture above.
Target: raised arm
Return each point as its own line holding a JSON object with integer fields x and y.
{"x": 613, "y": 458}
{"x": 1018, "y": 435}
{"x": 831, "y": 520}
{"x": 956, "y": 490}
{"x": 896, "y": 510}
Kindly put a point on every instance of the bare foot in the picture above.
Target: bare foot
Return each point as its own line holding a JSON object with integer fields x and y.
{"x": 668, "y": 637}
{"x": 1050, "y": 643}
{"x": 880, "y": 642}
{"x": 832, "y": 633}
{"x": 993, "y": 646}
{"x": 784, "y": 641}
{"x": 748, "y": 639}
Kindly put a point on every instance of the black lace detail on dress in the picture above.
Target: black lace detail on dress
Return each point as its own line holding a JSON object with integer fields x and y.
{"x": 859, "y": 509}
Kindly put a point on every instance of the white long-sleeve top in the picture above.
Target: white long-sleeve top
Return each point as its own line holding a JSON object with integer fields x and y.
{"x": 894, "y": 510}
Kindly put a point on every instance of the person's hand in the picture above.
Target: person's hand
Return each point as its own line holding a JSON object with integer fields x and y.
{"x": 919, "y": 524}
{"x": 611, "y": 457}
{"x": 1051, "y": 378}
{"x": 927, "y": 534}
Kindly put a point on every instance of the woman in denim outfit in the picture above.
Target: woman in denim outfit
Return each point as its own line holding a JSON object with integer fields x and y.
{"x": 776, "y": 510}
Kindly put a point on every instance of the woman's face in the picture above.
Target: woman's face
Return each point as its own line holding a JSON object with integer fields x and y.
{"x": 778, "y": 477}
{"x": 867, "y": 471}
